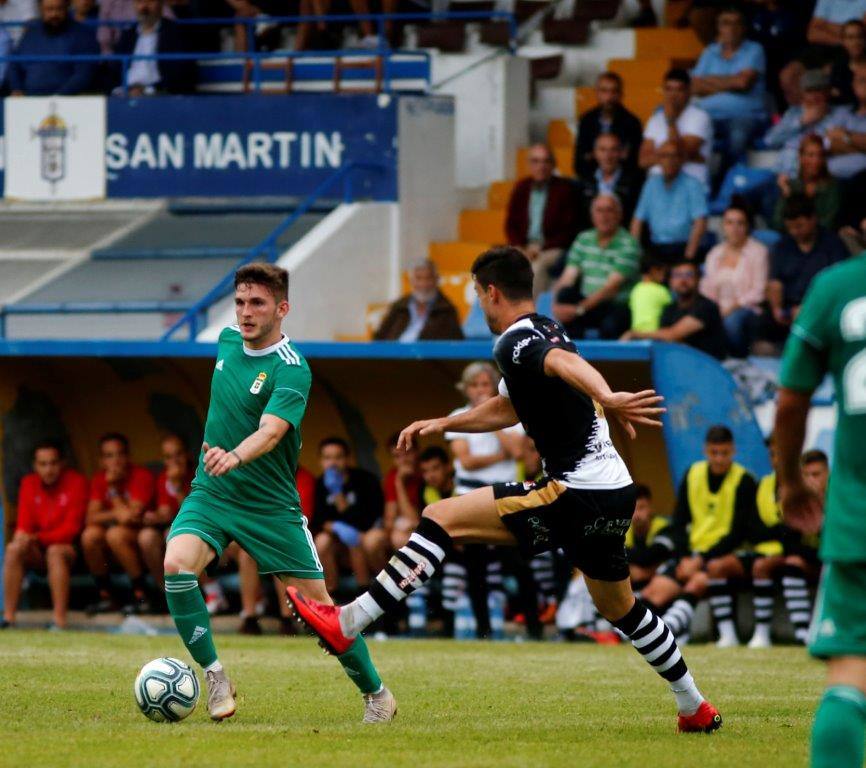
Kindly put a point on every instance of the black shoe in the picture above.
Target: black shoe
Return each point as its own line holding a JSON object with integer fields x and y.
{"x": 250, "y": 626}
{"x": 4, "y": 624}
{"x": 287, "y": 626}
{"x": 103, "y": 605}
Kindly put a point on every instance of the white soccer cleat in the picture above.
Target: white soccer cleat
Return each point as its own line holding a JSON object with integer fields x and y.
{"x": 727, "y": 642}
{"x": 220, "y": 695}
{"x": 379, "y": 707}
{"x": 760, "y": 641}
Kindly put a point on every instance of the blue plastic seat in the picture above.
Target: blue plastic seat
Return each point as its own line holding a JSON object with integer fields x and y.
{"x": 475, "y": 326}
{"x": 752, "y": 183}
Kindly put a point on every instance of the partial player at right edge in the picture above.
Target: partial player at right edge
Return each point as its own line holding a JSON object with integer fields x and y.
{"x": 583, "y": 504}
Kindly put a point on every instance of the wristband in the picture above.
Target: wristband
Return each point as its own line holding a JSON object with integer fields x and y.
{"x": 234, "y": 453}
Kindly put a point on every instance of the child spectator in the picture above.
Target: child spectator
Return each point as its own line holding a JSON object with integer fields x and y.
{"x": 650, "y": 296}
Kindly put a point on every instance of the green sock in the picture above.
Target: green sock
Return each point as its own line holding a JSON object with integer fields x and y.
{"x": 837, "y": 736}
{"x": 187, "y": 608}
{"x": 359, "y": 667}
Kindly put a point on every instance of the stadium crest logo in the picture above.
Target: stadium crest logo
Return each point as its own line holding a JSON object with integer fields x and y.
{"x": 53, "y": 133}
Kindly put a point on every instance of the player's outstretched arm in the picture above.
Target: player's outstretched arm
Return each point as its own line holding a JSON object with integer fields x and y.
{"x": 629, "y": 408}
{"x": 801, "y": 508}
{"x": 220, "y": 461}
{"x": 492, "y": 415}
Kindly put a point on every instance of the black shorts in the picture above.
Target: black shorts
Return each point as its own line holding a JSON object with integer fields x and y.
{"x": 588, "y": 525}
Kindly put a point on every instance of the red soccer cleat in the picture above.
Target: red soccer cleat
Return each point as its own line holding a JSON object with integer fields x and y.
{"x": 706, "y": 720}
{"x": 321, "y": 619}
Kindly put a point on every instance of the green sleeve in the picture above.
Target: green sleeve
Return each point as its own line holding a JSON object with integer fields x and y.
{"x": 290, "y": 393}
{"x": 627, "y": 259}
{"x": 804, "y": 362}
{"x": 575, "y": 254}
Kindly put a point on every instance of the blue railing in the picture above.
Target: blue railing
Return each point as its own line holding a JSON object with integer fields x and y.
{"x": 195, "y": 314}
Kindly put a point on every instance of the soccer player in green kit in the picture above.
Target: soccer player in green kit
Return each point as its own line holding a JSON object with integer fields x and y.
{"x": 244, "y": 487}
{"x": 829, "y": 335}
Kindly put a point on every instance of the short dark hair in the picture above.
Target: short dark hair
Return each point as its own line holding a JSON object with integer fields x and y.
{"x": 642, "y": 491}
{"x": 739, "y": 203}
{"x": 679, "y": 75}
{"x": 334, "y": 440}
{"x": 650, "y": 262}
{"x": 612, "y": 76}
{"x": 112, "y": 437}
{"x": 855, "y": 23}
{"x": 434, "y": 452}
{"x": 732, "y": 8}
{"x": 507, "y": 269}
{"x": 48, "y": 445}
{"x": 718, "y": 434}
{"x": 272, "y": 277}
{"x": 682, "y": 261}
{"x": 798, "y": 206}
{"x": 814, "y": 456}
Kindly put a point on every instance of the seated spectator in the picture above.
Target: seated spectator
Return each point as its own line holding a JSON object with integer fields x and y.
{"x": 841, "y": 75}
{"x": 650, "y": 296}
{"x": 607, "y": 260}
{"x": 847, "y": 137}
{"x": 120, "y": 493}
{"x": 369, "y": 38}
{"x": 814, "y": 181}
{"x": 648, "y": 541}
{"x": 349, "y": 503}
{"x": 735, "y": 278}
{"x": 804, "y": 250}
{"x": 402, "y": 487}
{"x": 828, "y": 23}
{"x": 673, "y": 206}
{"x": 775, "y": 25}
{"x": 852, "y": 216}
{"x": 691, "y": 319}
{"x": 155, "y": 34}
{"x": 51, "y": 503}
{"x": 730, "y": 79}
{"x": 542, "y": 216}
{"x": 84, "y": 10}
{"x": 684, "y": 124}
{"x": 611, "y": 177}
{"x": 608, "y": 117}
{"x": 18, "y": 11}
{"x": 54, "y": 34}
{"x": 422, "y": 315}
{"x": 813, "y": 115}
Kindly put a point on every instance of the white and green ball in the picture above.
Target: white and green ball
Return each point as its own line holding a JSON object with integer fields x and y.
{"x": 166, "y": 690}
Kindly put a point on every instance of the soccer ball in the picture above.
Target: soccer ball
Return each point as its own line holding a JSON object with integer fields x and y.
{"x": 166, "y": 690}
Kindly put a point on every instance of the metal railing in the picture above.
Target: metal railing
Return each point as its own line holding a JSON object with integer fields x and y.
{"x": 195, "y": 313}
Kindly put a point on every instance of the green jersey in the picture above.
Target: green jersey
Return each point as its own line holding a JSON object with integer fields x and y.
{"x": 246, "y": 384}
{"x": 829, "y": 335}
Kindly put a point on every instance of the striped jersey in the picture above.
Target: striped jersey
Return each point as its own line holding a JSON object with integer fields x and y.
{"x": 596, "y": 262}
{"x": 246, "y": 384}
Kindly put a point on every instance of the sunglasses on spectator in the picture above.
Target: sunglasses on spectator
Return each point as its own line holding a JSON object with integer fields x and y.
{"x": 688, "y": 272}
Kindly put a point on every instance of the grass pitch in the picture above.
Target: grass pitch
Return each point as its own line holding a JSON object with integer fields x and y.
{"x": 67, "y": 701}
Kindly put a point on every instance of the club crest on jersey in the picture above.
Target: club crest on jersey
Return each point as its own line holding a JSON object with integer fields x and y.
{"x": 258, "y": 383}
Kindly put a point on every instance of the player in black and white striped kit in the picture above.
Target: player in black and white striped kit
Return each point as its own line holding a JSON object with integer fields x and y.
{"x": 583, "y": 504}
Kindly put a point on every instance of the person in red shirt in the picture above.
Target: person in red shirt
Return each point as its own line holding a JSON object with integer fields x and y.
{"x": 51, "y": 504}
{"x": 119, "y": 495}
{"x": 172, "y": 487}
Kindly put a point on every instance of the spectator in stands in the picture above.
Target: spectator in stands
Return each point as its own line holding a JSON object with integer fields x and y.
{"x": 422, "y": 315}
{"x": 125, "y": 10}
{"x": 813, "y": 115}
{"x": 610, "y": 177}
{"x": 607, "y": 260}
{"x": 735, "y": 278}
{"x": 349, "y": 503}
{"x": 650, "y": 296}
{"x": 841, "y": 74}
{"x": 51, "y": 503}
{"x": 542, "y": 217}
{"x": 775, "y": 26}
{"x": 730, "y": 78}
{"x": 847, "y": 138}
{"x": 402, "y": 487}
{"x": 692, "y": 319}
{"x": 852, "y": 217}
{"x": 804, "y": 250}
{"x": 120, "y": 493}
{"x": 155, "y": 34}
{"x": 84, "y": 10}
{"x": 673, "y": 205}
{"x": 648, "y": 542}
{"x": 609, "y": 116}
{"x": 369, "y": 38}
{"x": 828, "y": 22}
{"x": 812, "y": 180}
{"x": 18, "y": 11}
{"x": 5, "y": 50}
{"x": 677, "y": 121}
{"x": 54, "y": 34}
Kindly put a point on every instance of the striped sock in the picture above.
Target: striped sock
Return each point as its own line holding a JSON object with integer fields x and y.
{"x": 763, "y": 602}
{"x": 795, "y": 590}
{"x": 545, "y": 577}
{"x": 654, "y": 641}
{"x": 409, "y": 568}
{"x": 453, "y": 584}
{"x": 722, "y": 607}
{"x": 679, "y": 616}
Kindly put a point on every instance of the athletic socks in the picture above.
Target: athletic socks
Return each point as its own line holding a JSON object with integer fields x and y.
{"x": 795, "y": 591}
{"x": 837, "y": 735}
{"x": 187, "y": 608}
{"x": 359, "y": 667}
{"x": 454, "y": 587}
{"x": 409, "y": 568}
{"x": 678, "y": 617}
{"x": 722, "y": 607}
{"x": 654, "y": 641}
{"x": 543, "y": 572}
{"x": 762, "y": 590}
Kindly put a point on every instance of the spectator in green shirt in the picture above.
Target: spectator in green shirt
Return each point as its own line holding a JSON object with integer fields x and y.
{"x": 606, "y": 260}
{"x": 650, "y": 296}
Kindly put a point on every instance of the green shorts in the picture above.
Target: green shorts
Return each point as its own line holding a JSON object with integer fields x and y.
{"x": 839, "y": 622}
{"x": 279, "y": 542}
